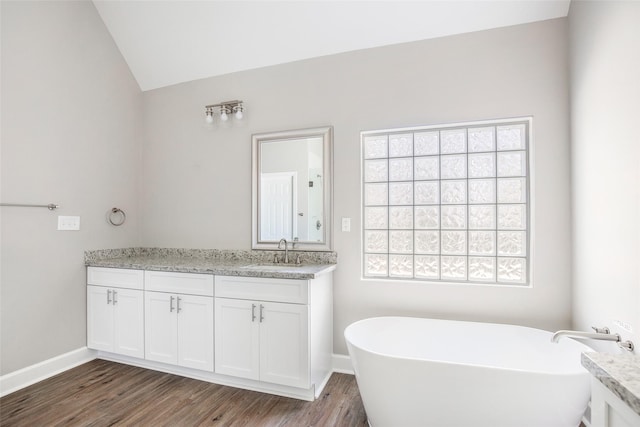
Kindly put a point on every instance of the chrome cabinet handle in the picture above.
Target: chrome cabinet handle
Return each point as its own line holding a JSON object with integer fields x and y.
{"x": 261, "y": 313}
{"x": 178, "y": 305}
{"x": 171, "y": 304}
{"x": 253, "y": 312}
{"x": 108, "y": 296}
{"x": 115, "y": 297}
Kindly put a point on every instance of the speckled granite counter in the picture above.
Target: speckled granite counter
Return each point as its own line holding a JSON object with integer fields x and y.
{"x": 620, "y": 373}
{"x": 215, "y": 261}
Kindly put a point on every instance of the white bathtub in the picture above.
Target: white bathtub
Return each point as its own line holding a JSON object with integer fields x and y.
{"x": 441, "y": 373}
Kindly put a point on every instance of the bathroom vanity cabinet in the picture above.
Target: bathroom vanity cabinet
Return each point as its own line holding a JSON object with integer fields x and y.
{"x": 608, "y": 410}
{"x": 115, "y": 311}
{"x": 615, "y": 389}
{"x": 179, "y": 319}
{"x": 269, "y": 334}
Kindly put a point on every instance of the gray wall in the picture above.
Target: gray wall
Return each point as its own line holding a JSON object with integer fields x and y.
{"x": 605, "y": 107}
{"x": 196, "y": 189}
{"x": 71, "y": 117}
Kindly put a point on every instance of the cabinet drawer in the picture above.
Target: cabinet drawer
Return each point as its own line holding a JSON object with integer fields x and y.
{"x": 255, "y": 288}
{"x": 182, "y": 283}
{"x": 115, "y": 277}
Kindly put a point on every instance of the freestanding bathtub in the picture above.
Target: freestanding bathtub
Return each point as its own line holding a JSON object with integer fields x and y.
{"x": 441, "y": 373}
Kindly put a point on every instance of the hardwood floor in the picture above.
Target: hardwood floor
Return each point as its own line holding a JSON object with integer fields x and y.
{"x": 101, "y": 393}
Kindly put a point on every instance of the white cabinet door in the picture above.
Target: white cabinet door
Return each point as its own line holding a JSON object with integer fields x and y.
{"x": 263, "y": 341}
{"x": 284, "y": 345}
{"x": 115, "y": 320}
{"x": 161, "y": 327}
{"x": 99, "y": 318}
{"x": 195, "y": 331}
{"x": 237, "y": 338}
{"x": 608, "y": 410}
{"x": 128, "y": 308}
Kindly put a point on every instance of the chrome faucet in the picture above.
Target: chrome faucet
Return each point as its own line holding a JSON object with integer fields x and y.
{"x": 599, "y": 334}
{"x": 590, "y": 335}
{"x": 286, "y": 250}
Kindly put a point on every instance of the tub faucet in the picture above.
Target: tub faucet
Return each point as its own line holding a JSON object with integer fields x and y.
{"x": 599, "y": 334}
{"x": 590, "y": 335}
{"x": 286, "y": 250}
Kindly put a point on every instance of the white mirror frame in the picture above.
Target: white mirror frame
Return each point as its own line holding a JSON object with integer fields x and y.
{"x": 326, "y": 133}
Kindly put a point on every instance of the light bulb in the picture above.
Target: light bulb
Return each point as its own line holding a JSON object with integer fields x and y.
{"x": 209, "y": 118}
{"x": 239, "y": 113}
{"x": 223, "y": 115}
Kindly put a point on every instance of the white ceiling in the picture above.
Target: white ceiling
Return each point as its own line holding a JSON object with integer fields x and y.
{"x": 169, "y": 42}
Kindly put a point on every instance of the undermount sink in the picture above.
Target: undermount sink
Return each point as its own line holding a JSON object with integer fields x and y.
{"x": 271, "y": 266}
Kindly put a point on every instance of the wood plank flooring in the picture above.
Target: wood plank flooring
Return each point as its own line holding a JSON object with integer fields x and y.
{"x": 102, "y": 393}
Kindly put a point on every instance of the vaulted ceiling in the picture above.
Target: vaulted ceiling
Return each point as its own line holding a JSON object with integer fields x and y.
{"x": 169, "y": 42}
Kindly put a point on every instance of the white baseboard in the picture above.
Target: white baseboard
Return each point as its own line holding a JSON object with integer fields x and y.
{"x": 342, "y": 364}
{"x": 24, "y": 377}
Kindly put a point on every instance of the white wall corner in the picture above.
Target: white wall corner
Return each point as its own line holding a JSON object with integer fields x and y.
{"x": 25, "y": 377}
{"x": 342, "y": 364}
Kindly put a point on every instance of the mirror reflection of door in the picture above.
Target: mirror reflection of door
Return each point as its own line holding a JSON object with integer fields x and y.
{"x": 278, "y": 206}
{"x": 316, "y": 185}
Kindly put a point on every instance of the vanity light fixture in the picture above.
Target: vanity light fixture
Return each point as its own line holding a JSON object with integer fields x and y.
{"x": 224, "y": 109}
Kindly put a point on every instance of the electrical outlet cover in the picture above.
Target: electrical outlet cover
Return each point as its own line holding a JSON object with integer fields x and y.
{"x": 623, "y": 325}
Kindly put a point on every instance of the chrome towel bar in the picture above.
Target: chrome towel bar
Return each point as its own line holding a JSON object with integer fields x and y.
{"x": 50, "y": 206}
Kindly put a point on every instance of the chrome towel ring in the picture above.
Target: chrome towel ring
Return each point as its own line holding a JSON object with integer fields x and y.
{"x": 117, "y": 217}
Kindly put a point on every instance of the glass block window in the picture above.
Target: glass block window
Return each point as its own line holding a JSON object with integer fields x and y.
{"x": 447, "y": 203}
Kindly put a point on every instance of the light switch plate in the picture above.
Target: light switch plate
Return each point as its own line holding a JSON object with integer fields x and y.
{"x": 69, "y": 223}
{"x": 346, "y": 224}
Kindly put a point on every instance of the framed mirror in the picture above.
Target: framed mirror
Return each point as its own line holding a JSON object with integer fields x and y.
{"x": 292, "y": 189}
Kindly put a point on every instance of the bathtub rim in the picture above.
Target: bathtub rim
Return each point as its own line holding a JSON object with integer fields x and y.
{"x": 582, "y": 371}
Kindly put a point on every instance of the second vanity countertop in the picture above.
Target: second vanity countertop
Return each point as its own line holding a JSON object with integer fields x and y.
{"x": 216, "y": 262}
{"x": 620, "y": 373}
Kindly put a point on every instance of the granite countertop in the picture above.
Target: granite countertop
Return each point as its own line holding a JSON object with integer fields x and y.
{"x": 216, "y": 262}
{"x": 620, "y": 373}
